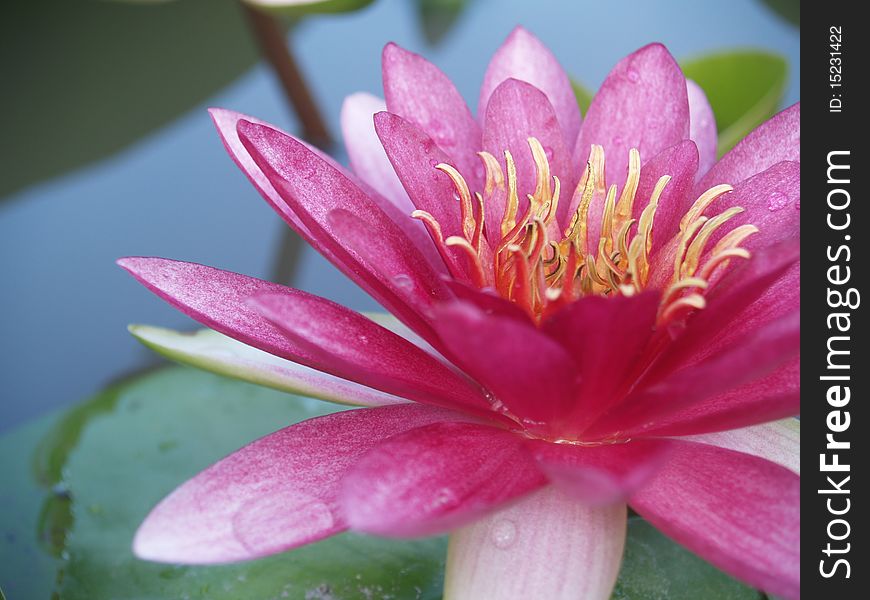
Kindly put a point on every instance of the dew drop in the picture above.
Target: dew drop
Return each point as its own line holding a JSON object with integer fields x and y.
{"x": 633, "y": 75}
{"x": 504, "y": 533}
{"x": 403, "y": 281}
{"x": 548, "y": 152}
{"x": 440, "y": 133}
{"x": 776, "y": 201}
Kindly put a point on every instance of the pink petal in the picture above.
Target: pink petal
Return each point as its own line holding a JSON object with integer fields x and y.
{"x": 488, "y": 301}
{"x": 751, "y": 357}
{"x": 774, "y": 396}
{"x": 680, "y": 163}
{"x": 274, "y": 494}
{"x": 702, "y": 126}
{"x": 371, "y": 165}
{"x": 740, "y": 512}
{"x": 606, "y": 337}
{"x": 773, "y": 141}
{"x": 414, "y": 156}
{"x": 642, "y": 104}
{"x": 601, "y": 474}
{"x": 750, "y": 295}
{"x": 546, "y": 546}
{"x": 437, "y": 477}
{"x": 418, "y": 91}
{"x": 313, "y": 188}
{"x": 516, "y": 111}
{"x": 523, "y": 56}
{"x": 353, "y": 347}
{"x": 217, "y": 299}
{"x": 364, "y": 149}
{"x": 771, "y": 201}
{"x": 532, "y": 375}
{"x": 226, "y": 122}
{"x": 778, "y": 441}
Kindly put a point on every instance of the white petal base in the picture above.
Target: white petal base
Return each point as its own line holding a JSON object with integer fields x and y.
{"x": 777, "y": 441}
{"x": 546, "y": 546}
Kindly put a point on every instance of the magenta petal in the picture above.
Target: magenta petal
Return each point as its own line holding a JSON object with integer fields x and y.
{"x": 523, "y": 56}
{"x": 488, "y": 301}
{"x": 217, "y": 299}
{"x": 313, "y": 188}
{"x": 680, "y": 163}
{"x": 601, "y": 474}
{"x": 752, "y": 356}
{"x": 702, "y": 126}
{"x": 771, "y": 201}
{"x": 763, "y": 289}
{"x": 437, "y": 477}
{"x": 353, "y": 347}
{"x": 774, "y": 396}
{"x": 740, "y": 512}
{"x": 371, "y": 165}
{"x": 414, "y": 157}
{"x": 517, "y": 111}
{"x": 642, "y": 104}
{"x": 274, "y": 494}
{"x": 532, "y": 375}
{"x": 418, "y": 91}
{"x": 606, "y": 338}
{"x": 226, "y": 122}
{"x": 774, "y": 141}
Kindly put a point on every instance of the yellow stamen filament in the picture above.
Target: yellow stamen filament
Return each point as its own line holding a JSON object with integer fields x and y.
{"x": 530, "y": 262}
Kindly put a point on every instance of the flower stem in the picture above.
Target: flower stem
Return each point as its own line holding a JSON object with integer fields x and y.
{"x": 546, "y": 546}
{"x": 271, "y": 39}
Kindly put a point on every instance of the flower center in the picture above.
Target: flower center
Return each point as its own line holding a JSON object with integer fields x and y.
{"x": 540, "y": 268}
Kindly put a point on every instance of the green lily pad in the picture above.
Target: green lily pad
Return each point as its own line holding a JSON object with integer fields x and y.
{"x": 85, "y": 79}
{"x": 300, "y": 8}
{"x": 790, "y": 10}
{"x": 78, "y": 486}
{"x": 744, "y": 88}
{"x": 655, "y": 568}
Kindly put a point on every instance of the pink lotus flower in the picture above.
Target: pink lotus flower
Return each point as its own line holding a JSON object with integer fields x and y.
{"x": 570, "y": 338}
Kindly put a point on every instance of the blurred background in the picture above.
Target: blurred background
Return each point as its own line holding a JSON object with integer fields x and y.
{"x": 108, "y": 151}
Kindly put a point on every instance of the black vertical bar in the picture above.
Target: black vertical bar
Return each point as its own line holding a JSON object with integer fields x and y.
{"x": 834, "y": 340}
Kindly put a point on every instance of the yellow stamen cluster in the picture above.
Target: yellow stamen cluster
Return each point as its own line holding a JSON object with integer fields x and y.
{"x": 540, "y": 268}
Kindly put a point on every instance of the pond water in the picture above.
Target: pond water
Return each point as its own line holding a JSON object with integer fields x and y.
{"x": 175, "y": 193}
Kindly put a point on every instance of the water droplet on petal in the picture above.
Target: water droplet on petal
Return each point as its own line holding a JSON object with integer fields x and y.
{"x": 441, "y": 134}
{"x": 548, "y": 152}
{"x": 633, "y": 75}
{"x": 403, "y": 281}
{"x": 503, "y": 533}
{"x": 776, "y": 201}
